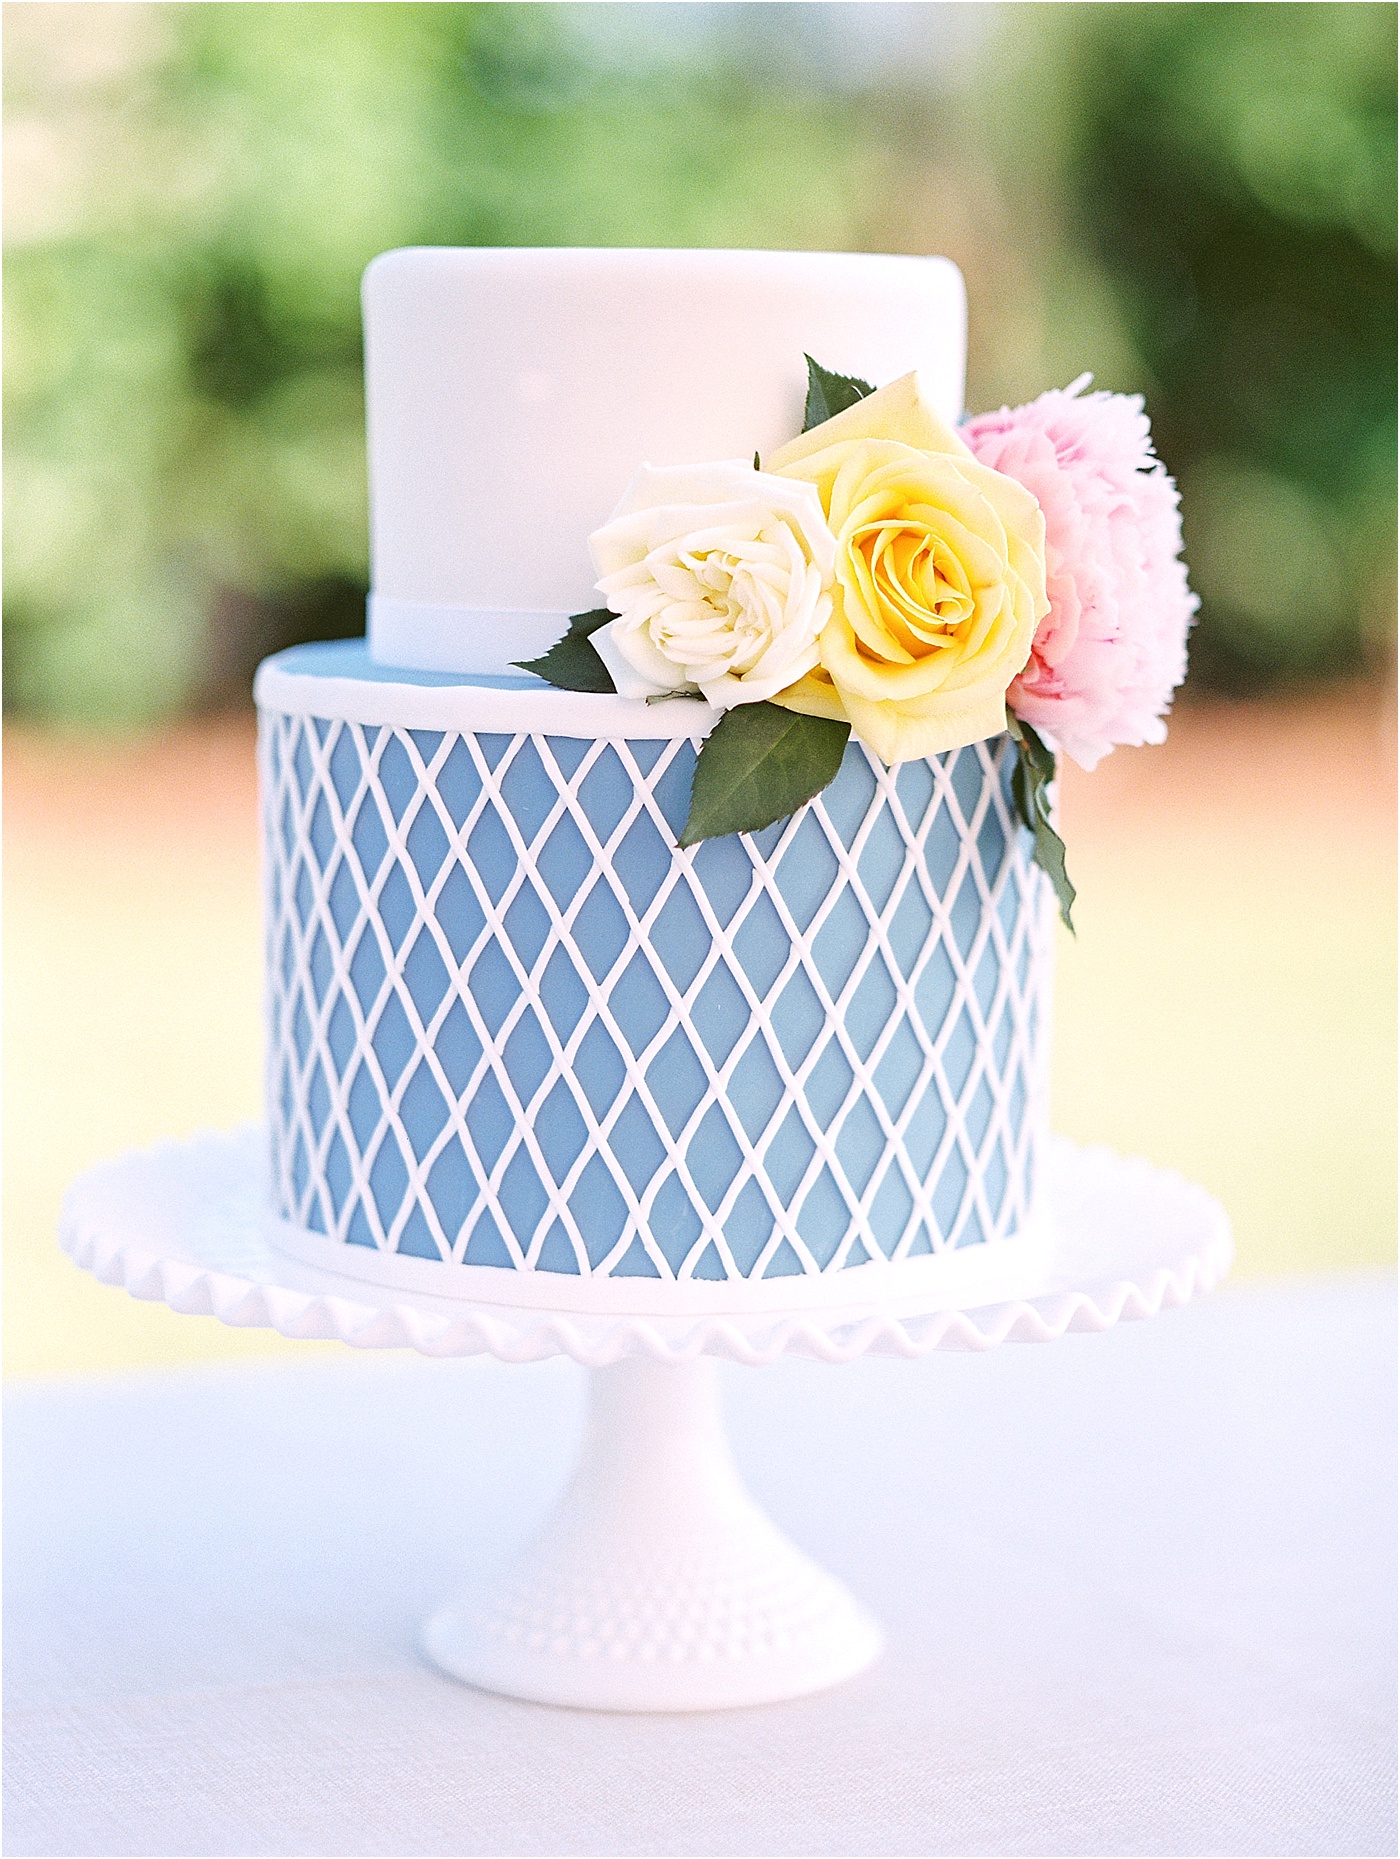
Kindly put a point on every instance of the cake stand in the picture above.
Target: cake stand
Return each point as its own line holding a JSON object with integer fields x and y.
{"x": 657, "y": 1584}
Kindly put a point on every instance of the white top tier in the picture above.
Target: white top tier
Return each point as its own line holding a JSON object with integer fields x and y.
{"x": 512, "y": 394}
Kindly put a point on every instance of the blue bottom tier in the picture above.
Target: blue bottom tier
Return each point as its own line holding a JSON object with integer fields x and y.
{"x": 512, "y": 1028}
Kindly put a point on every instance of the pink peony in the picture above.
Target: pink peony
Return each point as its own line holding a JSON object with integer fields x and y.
{"x": 1112, "y": 649}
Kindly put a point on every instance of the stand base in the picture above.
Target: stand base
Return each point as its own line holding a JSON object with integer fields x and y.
{"x": 658, "y": 1585}
{"x": 712, "y": 1628}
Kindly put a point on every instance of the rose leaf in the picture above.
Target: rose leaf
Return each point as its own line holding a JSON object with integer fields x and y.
{"x": 572, "y": 663}
{"x": 1030, "y": 789}
{"x": 759, "y": 764}
{"x": 829, "y": 394}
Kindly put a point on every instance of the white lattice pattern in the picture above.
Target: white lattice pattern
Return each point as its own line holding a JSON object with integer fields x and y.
{"x": 510, "y": 1024}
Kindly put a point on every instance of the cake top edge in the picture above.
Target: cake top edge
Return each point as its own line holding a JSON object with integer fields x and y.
{"x": 340, "y": 681}
{"x": 712, "y": 260}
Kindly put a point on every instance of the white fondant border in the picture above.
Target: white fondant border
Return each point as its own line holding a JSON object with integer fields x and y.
{"x": 952, "y": 1280}
{"x": 538, "y": 709}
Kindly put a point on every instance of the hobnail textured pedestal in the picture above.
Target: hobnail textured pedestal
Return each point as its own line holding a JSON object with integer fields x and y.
{"x": 658, "y": 1584}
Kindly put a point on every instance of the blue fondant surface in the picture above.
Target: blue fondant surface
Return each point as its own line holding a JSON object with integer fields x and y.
{"x": 349, "y": 658}
{"x": 491, "y": 1043}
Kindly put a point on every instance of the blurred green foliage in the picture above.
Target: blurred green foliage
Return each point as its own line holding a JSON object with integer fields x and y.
{"x": 1237, "y": 179}
{"x": 196, "y": 191}
{"x": 1193, "y": 200}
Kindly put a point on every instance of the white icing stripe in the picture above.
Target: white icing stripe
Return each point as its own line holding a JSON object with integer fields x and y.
{"x": 954, "y": 1280}
{"x": 416, "y": 636}
{"x": 535, "y": 708}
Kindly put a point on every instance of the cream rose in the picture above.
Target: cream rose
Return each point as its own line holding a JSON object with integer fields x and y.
{"x": 939, "y": 577}
{"x": 720, "y": 577}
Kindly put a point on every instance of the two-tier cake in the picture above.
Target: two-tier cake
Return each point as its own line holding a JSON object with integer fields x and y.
{"x": 522, "y": 1048}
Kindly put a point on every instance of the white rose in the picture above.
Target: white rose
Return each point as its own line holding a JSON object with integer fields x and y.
{"x": 721, "y": 578}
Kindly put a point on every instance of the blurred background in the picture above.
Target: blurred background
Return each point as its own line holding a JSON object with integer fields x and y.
{"x": 1195, "y": 202}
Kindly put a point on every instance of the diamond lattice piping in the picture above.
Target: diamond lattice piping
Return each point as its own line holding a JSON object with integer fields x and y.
{"x": 323, "y": 779}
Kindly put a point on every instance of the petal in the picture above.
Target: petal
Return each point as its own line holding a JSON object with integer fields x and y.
{"x": 908, "y": 732}
{"x": 650, "y": 485}
{"x": 759, "y": 686}
{"x": 633, "y": 662}
{"x": 812, "y": 695}
{"x": 898, "y": 411}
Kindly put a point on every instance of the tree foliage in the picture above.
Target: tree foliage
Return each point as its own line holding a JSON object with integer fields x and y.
{"x": 1236, "y": 175}
{"x": 193, "y": 190}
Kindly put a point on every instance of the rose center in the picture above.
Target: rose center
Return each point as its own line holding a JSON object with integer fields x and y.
{"x": 921, "y": 585}
{"x": 719, "y": 607}
{"x": 731, "y": 591}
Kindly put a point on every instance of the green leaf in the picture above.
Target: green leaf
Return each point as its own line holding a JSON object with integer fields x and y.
{"x": 581, "y": 625}
{"x": 829, "y": 394}
{"x": 1030, "y": 789}
{"x": 759, "y": 764}
{"x": 572, "y": 664}
{"x": 756, "y": 465}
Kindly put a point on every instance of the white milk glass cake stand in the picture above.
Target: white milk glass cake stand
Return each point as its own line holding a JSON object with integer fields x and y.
{"x": 657, "y": 1584}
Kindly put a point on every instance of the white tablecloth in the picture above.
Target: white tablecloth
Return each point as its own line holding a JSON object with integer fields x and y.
{"x": 1139, "y": 1590}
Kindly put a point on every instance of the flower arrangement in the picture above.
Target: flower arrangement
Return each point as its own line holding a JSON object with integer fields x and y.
{"x": 886, "y": 574}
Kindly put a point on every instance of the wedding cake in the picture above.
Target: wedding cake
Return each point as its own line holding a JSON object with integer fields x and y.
{"x": 527, "y": 1048}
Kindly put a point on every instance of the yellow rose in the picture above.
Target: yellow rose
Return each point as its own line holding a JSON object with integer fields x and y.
{"x": 940, "y": 577}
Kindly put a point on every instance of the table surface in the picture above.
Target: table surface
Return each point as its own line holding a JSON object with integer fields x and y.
{"x": 1139, "y": 1590}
